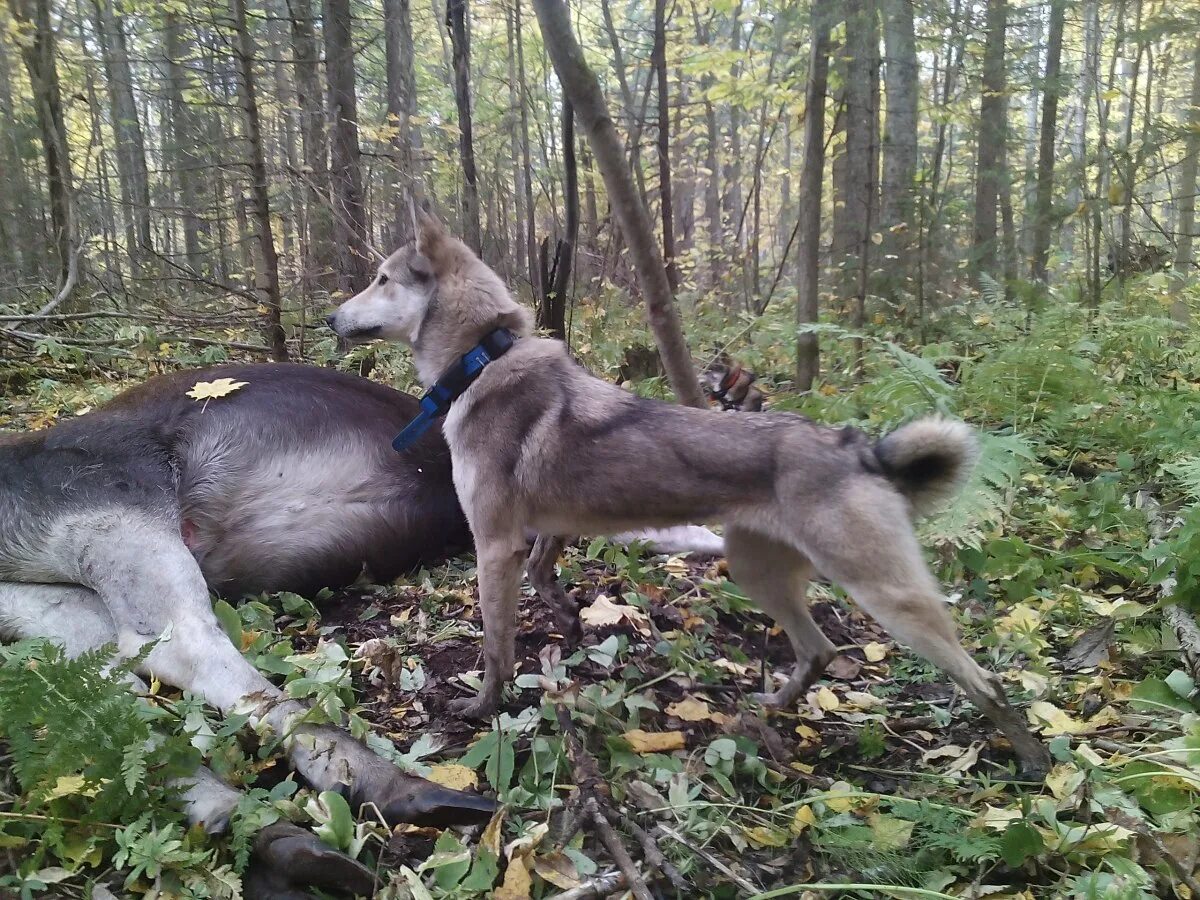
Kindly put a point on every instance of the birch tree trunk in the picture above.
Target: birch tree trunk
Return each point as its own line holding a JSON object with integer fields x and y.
{"x": 583, "y": 90}
{"x": 1185, "y": 228}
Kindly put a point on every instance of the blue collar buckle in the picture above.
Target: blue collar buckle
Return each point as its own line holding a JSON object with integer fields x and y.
{"x": 453, "y": 382}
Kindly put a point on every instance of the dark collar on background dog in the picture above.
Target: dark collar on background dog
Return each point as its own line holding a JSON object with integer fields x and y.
{"x": 436, "y": 401}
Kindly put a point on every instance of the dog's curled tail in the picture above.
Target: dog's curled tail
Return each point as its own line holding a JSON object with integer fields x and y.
{"x": 928, "y": 460}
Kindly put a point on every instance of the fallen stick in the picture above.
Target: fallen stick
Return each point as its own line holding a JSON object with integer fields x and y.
{"x": 741, "y": 882}
{"x": 594, "y": 791}
{"x": 600, "y": 886}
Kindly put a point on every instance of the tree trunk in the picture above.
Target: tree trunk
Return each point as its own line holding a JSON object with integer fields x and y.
{"x": 552, "y": 310}
{"x": 530, "y": 222}
{"x": 21, "y": 237}
{"x": 991, "y": 139}
{"x": 809, "y": 212}
{"x": 858, "y": 181}
{"x": 41, "y": 64}
{"x": 1090, "y": 15}
{"x": 350, "y": 219}
{"x": 713, "y": 231}
{"x": 266, "y": 261}
{"x": 1052, "y": 88}
{"x": 581, "y": 87}
{"x": 127, "y": 130}
{"x": 898, "y": 214}
{"x": 1185, "y": 229}
{"x": 658, "y": 59}
{"x": 184, "y": 137}
{"x": 401, "y": 107}
{"x": 318, "y": 255}
{"x": 460, "y": 44}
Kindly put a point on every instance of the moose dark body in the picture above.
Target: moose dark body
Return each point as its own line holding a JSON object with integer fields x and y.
{"x": 114, "y": 527}
{"x": 289, "y": 483}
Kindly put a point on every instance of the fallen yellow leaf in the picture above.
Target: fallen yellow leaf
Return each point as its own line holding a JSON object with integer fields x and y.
{"x": 210, "y": 390}
{"x": 604, "y": 611}
{"x": 654, "y": 742}
{"x": 875, "y": 651}
{"x": 803, "y": 818}
{"x": 827, "y": 699}
{"x": 690, "y": 709}
{"x": 453, "y": 776}
{"x": 517, "y": 883}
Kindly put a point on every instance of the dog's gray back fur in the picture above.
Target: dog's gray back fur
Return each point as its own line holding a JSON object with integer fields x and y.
{"x": 288, "y": 483}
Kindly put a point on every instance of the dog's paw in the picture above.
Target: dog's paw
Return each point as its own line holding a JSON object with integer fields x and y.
{"x": 472, "y": 707}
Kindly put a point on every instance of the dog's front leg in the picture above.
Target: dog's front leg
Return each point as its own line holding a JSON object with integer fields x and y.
{"x": 500, "y": 561}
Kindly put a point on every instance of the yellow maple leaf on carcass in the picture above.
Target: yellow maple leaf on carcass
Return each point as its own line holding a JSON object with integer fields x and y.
{"x": 212, "y": 390}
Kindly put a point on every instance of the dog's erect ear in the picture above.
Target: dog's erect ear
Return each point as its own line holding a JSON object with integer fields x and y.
{"x": 420, "y": 266}
{"x": 431, "y": 233}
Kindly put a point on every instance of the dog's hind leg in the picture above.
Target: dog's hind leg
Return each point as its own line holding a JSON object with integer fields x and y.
{"x": 154, "y": 591}
{"x": 775, "y": 576}
{"x": 500, "y": 556}
{"x": 869, "y": 548}
{"x": 542, "y": 560}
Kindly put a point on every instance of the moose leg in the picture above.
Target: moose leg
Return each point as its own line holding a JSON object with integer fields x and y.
{"x": 284, "y": 856}
{"x": 155, "y": 593}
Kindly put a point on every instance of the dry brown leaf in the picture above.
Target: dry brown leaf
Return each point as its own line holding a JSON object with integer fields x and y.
{"x": 557, "y": 869}
{"x": 604, "y": 611}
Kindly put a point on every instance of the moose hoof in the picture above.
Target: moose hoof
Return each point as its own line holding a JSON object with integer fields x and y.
{"x": 287, "y": 861}
{"x": 401, "y": 798}
{"x": 472, "y": 707}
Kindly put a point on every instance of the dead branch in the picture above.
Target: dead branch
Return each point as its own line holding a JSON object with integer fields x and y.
{"x": 713, "y": 861}
{"x": 596, "y": 795}
{"x": 600, "y": 886}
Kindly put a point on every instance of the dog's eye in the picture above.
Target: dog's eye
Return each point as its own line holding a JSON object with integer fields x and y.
{"x": 383, "y": 279}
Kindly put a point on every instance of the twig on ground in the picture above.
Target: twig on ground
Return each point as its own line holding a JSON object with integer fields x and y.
{"x": 600, "y": 886}
{"x": 1157, "y": 847}
{"x": 712, "y": 860}
{"x": 593, "y": 789}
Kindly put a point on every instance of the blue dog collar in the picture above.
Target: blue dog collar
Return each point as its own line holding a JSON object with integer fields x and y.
{"x": 436, "y": 401}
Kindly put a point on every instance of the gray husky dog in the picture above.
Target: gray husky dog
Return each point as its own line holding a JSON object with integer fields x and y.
{"x": 537, "y": 443}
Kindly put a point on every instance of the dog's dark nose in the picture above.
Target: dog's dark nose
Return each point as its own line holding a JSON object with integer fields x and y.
{"x": 331, "y": 321}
